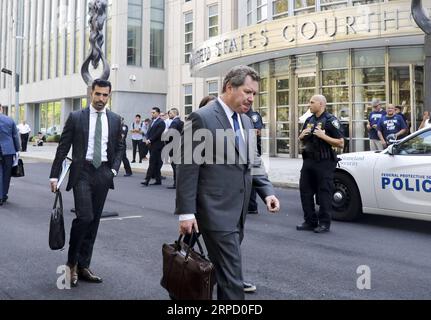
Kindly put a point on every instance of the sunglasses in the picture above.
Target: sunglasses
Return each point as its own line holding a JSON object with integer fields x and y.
{"x": 101, "y": 94}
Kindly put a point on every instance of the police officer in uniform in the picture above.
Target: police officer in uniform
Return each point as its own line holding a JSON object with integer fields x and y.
{"x": 258, "y": 126}
{"x": 320, "y": 133}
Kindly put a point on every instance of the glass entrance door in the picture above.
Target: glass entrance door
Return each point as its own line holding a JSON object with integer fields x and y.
{"x": 400, "y": 90}
{"x": 406, "y": 90}
{"x": 282, "y": 116}
{"x": 305, "y": 89}
{"x": 418, "y": 96}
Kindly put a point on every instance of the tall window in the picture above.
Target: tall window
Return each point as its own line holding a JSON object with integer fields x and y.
{"x": 157, "y": 34}
{"x": 108, "y": 37}
{"x": 52, "y": 37}
{"x": 213, "y": 20}
{"x": 332, "y": 4}
{"x": 42, "y": 41}
{"x": 262, "y": 10}
{"x": 280, "y": 9}
{"x": 86, "y": 28}
{"x": 60, "y": 17}
{"x": 30, "y": 41}
{"x": 47, "y": 39}
{"x": 188, "y": 36}
{"x": 335, "y": 87}
{"x": 36, "y": 39}
{"x": 188, "y": 99}
{"x": 368, "y": 83}
{"x": 213, "y": 88}
{"x": 68, "y": 34}
{"x": 134, "y": 33}
{"x": 304, "y": 6}
{"x": 78, "y": 22}
{"x": 249, "y": 13}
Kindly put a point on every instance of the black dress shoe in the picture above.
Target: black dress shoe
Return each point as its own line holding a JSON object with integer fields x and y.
{"x": 1, "y": 202}
{"x": 145, "y": 183}
{"x": 305, "y": 226}
{"x": 133, "y": 161}
{"x": 86, "y": 275}
{"x": 127, "y": 174}
{"x": 249, "y": 287}
{"x": 171, "y": 187}
{"x": 156, "y": 183}
{"x": 73, "y": 275}
{"x": 321, "y": 229}
{"x": 5, "y": 198}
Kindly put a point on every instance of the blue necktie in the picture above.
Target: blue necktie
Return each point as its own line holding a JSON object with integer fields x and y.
{"x": 239, "y": 141}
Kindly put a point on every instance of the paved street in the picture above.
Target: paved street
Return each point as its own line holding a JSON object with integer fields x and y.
{"x": 282, "y": 262}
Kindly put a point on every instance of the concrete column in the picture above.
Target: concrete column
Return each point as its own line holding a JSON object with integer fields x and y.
{"x": 29, "y": 116}
{"x": 66, "y": 109}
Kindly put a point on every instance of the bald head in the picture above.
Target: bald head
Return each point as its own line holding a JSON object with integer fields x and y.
{"x": 320, "y": 98}
{"x": 317, "y": 104}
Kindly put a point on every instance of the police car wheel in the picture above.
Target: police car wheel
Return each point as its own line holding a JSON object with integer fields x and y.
{"x": 346, "y": 202}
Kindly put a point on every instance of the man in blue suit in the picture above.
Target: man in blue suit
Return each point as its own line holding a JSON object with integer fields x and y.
{"x": 9, "y": 146}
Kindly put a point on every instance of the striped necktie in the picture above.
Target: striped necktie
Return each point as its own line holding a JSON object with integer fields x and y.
{"x": 97, "y": 147}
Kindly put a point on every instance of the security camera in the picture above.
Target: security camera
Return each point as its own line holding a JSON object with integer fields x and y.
{"x": 114, "y": 67}
{"x": 132, "y": 77}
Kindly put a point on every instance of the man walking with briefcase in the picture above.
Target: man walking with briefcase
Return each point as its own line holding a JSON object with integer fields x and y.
{"x": 202, "y": 196}
{"x": 94, "y": 134}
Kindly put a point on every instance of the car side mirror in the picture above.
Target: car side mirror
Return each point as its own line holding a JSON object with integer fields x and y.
{"x": 392, "y": 149}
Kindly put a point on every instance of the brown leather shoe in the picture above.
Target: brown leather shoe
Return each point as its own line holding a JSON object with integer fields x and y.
{"x": 73, "y": 275}
{"x": 86, "y": 275}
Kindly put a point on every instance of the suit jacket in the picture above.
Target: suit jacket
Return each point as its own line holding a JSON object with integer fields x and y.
{"x": 154, "y": 134}
{"x": 218, "y": 194}
{"x": 176, "y": 124}
{"x": 75, "y": 134}
{"x": 9, "y": 141}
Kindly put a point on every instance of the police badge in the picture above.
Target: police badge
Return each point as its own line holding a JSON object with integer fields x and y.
{"x": 336, "y": 123}
{"x": 255, "y": 118}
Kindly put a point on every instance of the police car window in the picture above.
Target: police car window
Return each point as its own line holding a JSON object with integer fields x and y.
{"x": 419, "y": 145}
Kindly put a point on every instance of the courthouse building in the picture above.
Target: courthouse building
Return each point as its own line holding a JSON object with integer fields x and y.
{"x": 172, "y": 53}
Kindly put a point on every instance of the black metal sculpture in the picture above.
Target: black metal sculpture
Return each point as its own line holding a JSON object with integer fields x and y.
{"x": 420, "y": 16}
{"x": 97, "y": 12}
{"x": 423, "y": 22}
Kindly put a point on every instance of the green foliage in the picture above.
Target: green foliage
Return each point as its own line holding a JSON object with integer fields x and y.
{"x": 54, "y": 138}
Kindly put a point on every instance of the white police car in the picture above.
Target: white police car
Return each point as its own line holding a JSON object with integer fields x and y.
{"x": 394, "y": 182}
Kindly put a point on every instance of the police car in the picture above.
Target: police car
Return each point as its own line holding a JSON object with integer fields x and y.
{"x": 394, "y": 182}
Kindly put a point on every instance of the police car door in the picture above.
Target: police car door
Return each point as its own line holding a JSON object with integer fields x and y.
{"x": 403, "y": 180}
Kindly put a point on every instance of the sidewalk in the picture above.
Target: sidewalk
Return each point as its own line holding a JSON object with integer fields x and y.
{"x": 283, "y": 172}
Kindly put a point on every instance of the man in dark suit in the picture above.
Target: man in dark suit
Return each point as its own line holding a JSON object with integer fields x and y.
{"x": 95, "y": 135}
{"x": 213, "y": 194}
{"x": 9, "y": 146}
{"x": 126, "y": 163}
{"x": 155, "y": 145}
{"x": 178, "y": 125}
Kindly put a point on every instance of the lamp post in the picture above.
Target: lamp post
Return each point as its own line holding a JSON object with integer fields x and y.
{"x": 8, "y": 72}
{"x": 19, "y": 29}
{"x": 423, "y": 22}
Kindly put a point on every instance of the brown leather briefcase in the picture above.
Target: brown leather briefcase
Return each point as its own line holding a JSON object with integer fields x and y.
{"x": 187, "y": 274}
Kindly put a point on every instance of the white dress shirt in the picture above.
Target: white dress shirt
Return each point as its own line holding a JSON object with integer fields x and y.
{"x": 23, "y": 128}
{"x": 229, "y": 114}
{"x": 92, "y": 129}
